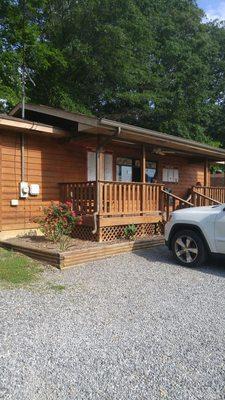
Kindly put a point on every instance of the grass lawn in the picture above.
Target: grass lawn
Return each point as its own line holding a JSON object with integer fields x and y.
{"x": 17, "y": 269}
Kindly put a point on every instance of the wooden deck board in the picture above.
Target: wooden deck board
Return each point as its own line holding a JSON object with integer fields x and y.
{"x": 126, "y": 220}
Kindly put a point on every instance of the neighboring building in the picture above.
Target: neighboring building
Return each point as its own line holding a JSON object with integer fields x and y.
{"x": 218, "y": 178}
{"x": 113, "y": 172}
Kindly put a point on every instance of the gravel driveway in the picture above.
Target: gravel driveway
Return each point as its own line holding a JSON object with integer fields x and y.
{"x": 134, "y": 326}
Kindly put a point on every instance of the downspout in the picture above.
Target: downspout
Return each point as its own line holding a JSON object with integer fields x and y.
{"x": 23, "y": 117}
{"x": 23, "y": 91}
{"x": 118, "y": 132}
{"x": 97, "y": 190}
{"x": 99, "y": 147}
{"x": 95, "y": 223}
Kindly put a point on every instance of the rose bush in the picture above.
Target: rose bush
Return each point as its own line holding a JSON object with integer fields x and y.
{"x": 57, "y": 223}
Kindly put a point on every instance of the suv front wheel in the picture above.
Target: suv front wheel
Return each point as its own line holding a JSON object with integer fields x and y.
{"x": 188, "y": 248}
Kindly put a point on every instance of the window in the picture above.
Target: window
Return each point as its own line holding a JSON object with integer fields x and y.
{"x": 91, "y": 166}
{"x": 150, "y": 171}
{"x": 124, "y": 170}
{"x": 106, "y": 169}
{"x": 129, "y": 170}
{"x": 170, "y": 175}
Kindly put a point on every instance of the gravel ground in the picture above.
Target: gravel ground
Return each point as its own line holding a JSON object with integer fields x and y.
{"x": 134, "y": 326}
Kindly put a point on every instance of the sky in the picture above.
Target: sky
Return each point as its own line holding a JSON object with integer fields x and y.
{"x": 214, "y": 9}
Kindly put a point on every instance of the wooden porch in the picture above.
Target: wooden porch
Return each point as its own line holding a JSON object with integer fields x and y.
{"x": 115, "y": 202}
{"x": 106, "y": 204}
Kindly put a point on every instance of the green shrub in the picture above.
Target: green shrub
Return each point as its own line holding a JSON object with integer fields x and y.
{"x": 130, "y": 231}
{"x": 57, "y": 223}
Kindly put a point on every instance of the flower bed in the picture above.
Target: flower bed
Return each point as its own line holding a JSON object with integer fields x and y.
{"x": 79, "y": 252}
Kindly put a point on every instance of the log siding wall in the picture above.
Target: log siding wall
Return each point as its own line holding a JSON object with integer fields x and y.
{"x": 189, "y": 173}
{"x": 47, "y": 162}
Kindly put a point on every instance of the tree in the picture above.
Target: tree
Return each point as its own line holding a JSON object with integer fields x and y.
{"x": 151, "y": 63}
{"x": 22, "y": 43}
{"x": 99, "y": 41}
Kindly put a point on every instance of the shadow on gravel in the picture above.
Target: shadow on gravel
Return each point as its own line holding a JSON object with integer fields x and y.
{"x": 215, "y": 265}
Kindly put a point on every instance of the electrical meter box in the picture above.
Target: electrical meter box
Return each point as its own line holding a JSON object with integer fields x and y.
{"x": 34, "y": 189}
{"x": 24, "y": 190}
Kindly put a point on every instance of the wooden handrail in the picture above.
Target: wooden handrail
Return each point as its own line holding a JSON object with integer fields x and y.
{"x": 168, "y": 208}
{"x": 118, "y": 182}
{"x": 209, "y": 187}
{"x": 75, "y": 183}
{"x": 198, "y": 198}
{"x": 214, "y": 193}
{"x": 178, "y": 198}
{"x": 132, "y": 183}
{"x": 206, "y": 197}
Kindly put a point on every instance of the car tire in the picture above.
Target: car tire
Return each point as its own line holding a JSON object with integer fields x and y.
{"x": 188, "y": 248}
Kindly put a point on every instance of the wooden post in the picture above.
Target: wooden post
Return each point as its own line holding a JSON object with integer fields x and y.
{"x": 1, "y": 210}
{"x": 143, "y": 168}
{"x": 206, "y": 173}
{"x": 98, "y": 152}
{"x": 161, "y": 200}
{"x": 96, "y": 229}
{"x": 143, "y": 164}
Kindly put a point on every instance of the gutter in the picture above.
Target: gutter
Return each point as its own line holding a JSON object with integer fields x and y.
{"x": 164, "y": 137}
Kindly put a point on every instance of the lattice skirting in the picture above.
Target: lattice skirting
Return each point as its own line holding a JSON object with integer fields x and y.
{"x": 84, "y": 232}
{"x": 112, "y": 233}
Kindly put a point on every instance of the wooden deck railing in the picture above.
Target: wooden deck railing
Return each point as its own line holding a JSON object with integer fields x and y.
{"x": 200, "y": 199}
{"x": 207, "y": 195}
{"x": 200, "y": 196}
{"x": 173, "y": 202}
{"x": 124, "y": 198}
{"x": 115, "y": 198}
{"x": 81, "y": 194}
{"x": 131, "y": 198}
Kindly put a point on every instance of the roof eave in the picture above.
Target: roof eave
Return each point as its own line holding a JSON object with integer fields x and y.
{"x": 57, "y": 112}
{"x": 133, "y": 133}
{"x": 17, "y": 124}
{"x": 149, "y": 136}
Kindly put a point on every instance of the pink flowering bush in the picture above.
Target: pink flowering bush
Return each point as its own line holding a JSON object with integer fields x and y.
{"x": 57, "y": 223}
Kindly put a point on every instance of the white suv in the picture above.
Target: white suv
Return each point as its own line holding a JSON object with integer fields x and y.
{"x": 194, "y": 233}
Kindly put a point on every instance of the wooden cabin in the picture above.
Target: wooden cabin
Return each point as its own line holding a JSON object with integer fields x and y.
{"x": 115, "y": 174}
